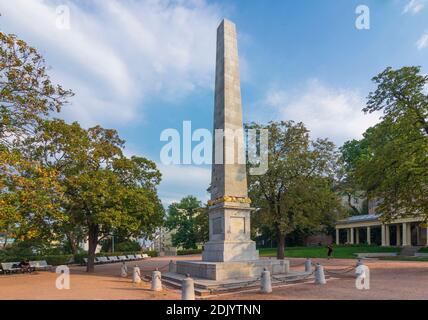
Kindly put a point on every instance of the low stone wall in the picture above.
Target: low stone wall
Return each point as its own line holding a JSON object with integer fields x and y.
{"x": 377, "y": 254}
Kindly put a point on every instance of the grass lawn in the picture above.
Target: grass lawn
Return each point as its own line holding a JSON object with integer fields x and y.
{"x": 340, "y": 252}
{"x": 405, "y": 258}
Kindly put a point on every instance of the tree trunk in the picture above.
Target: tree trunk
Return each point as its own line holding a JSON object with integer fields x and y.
{"x": 92, "y": 246}
{"x": 281, "y": 244}
{"x": 73, "y": 243}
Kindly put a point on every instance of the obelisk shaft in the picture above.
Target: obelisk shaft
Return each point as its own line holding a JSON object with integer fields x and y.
{"x": 229, "y": 211}
{"x": 228, "y": 174}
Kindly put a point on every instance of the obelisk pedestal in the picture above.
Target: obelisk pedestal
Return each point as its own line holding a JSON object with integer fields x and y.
{"x": 230, "y": 252}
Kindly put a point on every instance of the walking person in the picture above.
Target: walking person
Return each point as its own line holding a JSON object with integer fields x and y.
{"x": 329, "y": 251}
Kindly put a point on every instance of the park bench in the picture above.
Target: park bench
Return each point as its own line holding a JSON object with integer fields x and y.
{"x": 123, "y": 258}
{"x": 96, "y": 261}
{"x": 40, "y": 265}
{"x": 9, "y": 267}
{"x": 104, "y": 260}
{"x": 145, "y": 256}
{"x": 113, "y": 259}
{"x": 132, "y": 257}
{"x": 138, "y": 256}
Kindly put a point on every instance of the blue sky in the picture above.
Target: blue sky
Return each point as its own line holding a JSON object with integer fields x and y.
{"x": 145, "y": 66}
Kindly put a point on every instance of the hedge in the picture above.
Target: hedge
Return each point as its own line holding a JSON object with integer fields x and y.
{"x": 78, "y": 258}
{"x": 188, "y": 251}
{"x": 54, "y": 260}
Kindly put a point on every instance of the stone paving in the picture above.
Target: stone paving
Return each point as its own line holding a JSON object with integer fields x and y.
{"x": 389, "y": 280}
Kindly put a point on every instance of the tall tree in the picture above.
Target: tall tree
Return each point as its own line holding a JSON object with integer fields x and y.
{"x": 347, "y": 184}
{"x": 189, "y": 221}
{"x": 394, "y": 167}
{"x": 296, "y": 190}
{"x": 26, "y": 91}
{"x": 104, "y": 192}
{"x": 29, "y": 192}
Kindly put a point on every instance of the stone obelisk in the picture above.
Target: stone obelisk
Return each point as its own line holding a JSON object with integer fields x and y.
{"x": 229, "y": 254}
{"x": 229, "y": 211}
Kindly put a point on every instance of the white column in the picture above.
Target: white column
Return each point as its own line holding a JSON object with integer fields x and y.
{"x": 383, "y": 236}
{"x": 337, "y": 236}
{"x": 417, "y": 235}
{"x": 409, "y": 234}
{"x": 369, "y": 238}
{"x": 398, "y": 235}
{"x": 357, "y": 235}
{"x": 387, "y": 236}
{"x": 405, "y": 238}
{"x": 348, "y": 236}
{"x": 352, "y": 235}
{"x": 426, "y": 243}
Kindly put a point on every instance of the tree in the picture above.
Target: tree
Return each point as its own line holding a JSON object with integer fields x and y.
{"x": 104, "y": 192}
{"x": 189, "y": 221}
{"x": 296, "y": 190}
{"x": 347, "y": 184}
{"x": 28, "y": 200}
{"x": 26, "y": 92}
{"x": 394, "y": 168}
{"x": 29, "y": 192}
{"x": 400, "y": 94}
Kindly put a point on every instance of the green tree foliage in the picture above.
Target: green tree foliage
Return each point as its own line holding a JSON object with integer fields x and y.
{"x": 394, "y": 165}
{"x": 347, "y": 184}
{"x": 60, "y": 180}
{"x": 104, "y": 192}
{"x": 189, "y": 222}
{"x": 29, "y": 192}
{"x": 29, "y": 198}
{"x": 26, "y": 92}
{"x": 297, "y": 189}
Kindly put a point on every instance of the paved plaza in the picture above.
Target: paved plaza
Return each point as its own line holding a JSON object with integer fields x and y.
{"x": 389, "y": 280}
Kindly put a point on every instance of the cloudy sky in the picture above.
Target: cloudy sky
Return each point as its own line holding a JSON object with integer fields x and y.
{"x": 145, "y": 66}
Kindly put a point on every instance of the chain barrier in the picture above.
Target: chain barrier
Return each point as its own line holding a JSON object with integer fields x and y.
{"x": 297, "y": 265}
{"x": 302, "y": 277}
{"x": 341, "y": 272}
{"x": 154, "y": 268}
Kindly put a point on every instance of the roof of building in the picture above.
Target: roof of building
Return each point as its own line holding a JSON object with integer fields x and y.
{"x": 360, "y": 218}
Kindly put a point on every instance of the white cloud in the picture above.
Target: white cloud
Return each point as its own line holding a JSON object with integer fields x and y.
{"x": 118, "y": 54}
{"x": 422, "y": 41}
{"x": 414, "y": 6}
{"x": 181, "y": 180}
{"x": 327, "y": 112}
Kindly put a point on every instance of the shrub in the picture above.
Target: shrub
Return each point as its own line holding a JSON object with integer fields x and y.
{"x": 151, "y": 253}
{"x": 128, "y": 246}
{"x": 54, "y": 260}
{"x": 188, "y": 251}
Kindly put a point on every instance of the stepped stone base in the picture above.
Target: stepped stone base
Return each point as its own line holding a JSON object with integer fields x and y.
{"x": 204, "y": 287}
{"x": 228, "y": 251}
{"x": 231, "y": 270}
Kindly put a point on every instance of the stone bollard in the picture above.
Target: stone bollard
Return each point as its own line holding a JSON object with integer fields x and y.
{"x": 308, "y": 265}
{"x": 136, "y": 275}
{"x": 123, "y": 270}
{"x": 265, "y": 282}
{"x": 172, "y": 267}
{"x": 187, "y": 288}
{"x": 319, "y": 274}
{"x": 156, "y": 281}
